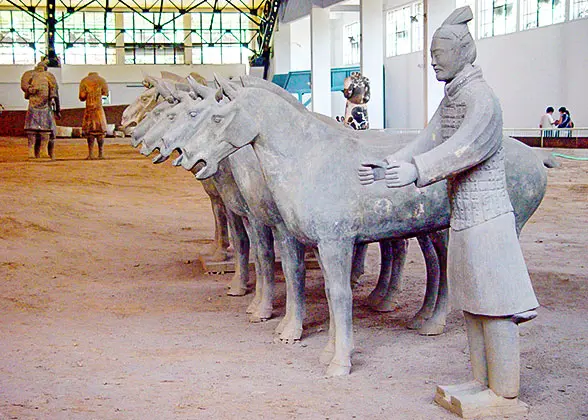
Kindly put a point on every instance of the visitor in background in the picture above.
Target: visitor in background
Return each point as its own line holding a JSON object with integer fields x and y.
{"x": 563, "y": 121}
{"x": 547, "y": 122}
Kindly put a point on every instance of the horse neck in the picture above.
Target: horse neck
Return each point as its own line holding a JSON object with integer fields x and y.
{"x": 284, "y": 130}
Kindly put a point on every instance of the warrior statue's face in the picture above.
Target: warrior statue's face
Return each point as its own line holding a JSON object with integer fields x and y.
{"x": 446, "y": 58}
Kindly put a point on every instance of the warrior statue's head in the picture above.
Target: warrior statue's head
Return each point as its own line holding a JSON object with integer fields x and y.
{"x": 453, "y": 46}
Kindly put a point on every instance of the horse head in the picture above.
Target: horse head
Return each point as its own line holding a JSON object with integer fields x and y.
{"x": 223, "y": 128}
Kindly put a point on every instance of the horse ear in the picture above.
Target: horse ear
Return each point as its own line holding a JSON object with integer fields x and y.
{"x": 165, "y": 88}
{"x": 225, "y": 84}
{"x": 148, "y": 81}
{"x": 219, "y": 95}
{"x": 199, "y": 89}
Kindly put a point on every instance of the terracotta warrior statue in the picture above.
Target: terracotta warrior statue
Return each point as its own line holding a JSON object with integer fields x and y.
{"x": 488, "y": 277}
{"x": 92, "y": 89}
{"x": 356, "y": 89}
{"x": 41, "y": 90}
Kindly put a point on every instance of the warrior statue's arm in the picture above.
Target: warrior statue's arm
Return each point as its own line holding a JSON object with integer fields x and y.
{"x": 57, "y": 106}
{"x": 372, "y": 171}
{"x": 478, "y": 138}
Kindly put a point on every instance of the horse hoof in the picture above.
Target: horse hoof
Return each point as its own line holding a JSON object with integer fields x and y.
{"x": 260, "y": 315}
{"x": 290, "y": 335}
{"x": 252, "y": 308}
{"x": 326, "y": 356}
{"x": 431, "y": 328}
{"x": 236, "y": 291}
{"x": 415, "y": 323}
{"x": 373, "y": 300}
{"x": 335, "y": 369}
{"x": 386, "y": 306}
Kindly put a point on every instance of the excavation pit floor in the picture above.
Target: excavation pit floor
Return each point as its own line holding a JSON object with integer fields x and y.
{"x": 106, "y": 313}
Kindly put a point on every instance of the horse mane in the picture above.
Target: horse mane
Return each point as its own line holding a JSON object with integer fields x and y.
{"x": 372, "y": 139}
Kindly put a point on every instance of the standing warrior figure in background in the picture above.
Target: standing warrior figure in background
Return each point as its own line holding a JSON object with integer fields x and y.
{"x": 40, "y": 88}
{"x": 92, "y": 89}
{"x": 356, "y": 90}
{"x": 486, "y": 270}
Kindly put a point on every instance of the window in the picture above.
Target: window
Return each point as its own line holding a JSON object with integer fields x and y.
{"x": 579, "y": 9}
{"x": 154, "y": 38}
{"x": 497, "y": 17}
{"x": 536, "y": 13}
{"x": 351, "y": 44}
{"x": 221, "y": 38}
{"x": 85, "y": 37}
{"x": 22, "y": 39}
{"x": 404, "y": 30}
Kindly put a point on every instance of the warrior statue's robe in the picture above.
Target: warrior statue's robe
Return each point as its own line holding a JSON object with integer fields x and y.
{"x": 92, "y": 89}
{"x": 40, "y": 89}
{"x": 463, "y": 144}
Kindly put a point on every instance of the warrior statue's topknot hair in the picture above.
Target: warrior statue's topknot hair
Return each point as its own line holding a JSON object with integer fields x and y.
{"x": 455, "y": 27}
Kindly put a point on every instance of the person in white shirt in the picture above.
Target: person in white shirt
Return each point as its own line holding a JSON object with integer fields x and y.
{"x": 547, "y": 122}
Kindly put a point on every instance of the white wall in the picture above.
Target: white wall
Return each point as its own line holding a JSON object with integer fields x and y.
{"x": 528, "y": 71}
{"x": 300, "y": 44}
{"x": 533, "y": 69}
{"x": 124, "y": 81}
{"x": 404, "y": 91}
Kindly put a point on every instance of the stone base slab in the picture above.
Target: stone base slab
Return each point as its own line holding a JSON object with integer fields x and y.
{"x": 473, "y": 400}
{"x": 228, "y": 266}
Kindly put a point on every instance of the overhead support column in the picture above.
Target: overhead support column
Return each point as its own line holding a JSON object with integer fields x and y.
{"x": 187, "y": 38}
{"x": 51, "y": 20}
{"x": 372, "y": 57}
{"x": 320, "y": 60}
{"x": 119, "y": 24}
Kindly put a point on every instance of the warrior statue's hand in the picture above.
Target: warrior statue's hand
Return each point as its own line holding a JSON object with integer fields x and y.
{"x": 370, "y": 172}
{"x": 399, "y": 174}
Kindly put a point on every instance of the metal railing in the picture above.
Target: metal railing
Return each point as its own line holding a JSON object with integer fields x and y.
{"x": 533, "y": 133}
{"x": 547, "y": 133}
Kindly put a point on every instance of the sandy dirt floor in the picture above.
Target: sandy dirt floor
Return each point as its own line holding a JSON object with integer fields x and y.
{"x": 106, "y": 313}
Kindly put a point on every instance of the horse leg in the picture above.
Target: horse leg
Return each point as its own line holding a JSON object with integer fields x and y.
{"x": 432, "y": 263}
{"x": 336, "y": 259}
{"x": 388, "y": 302}
{"x": 436, "y": 324}
{"x": 221, "y": 234}
{"x": 292, "y": 253}
{"x": 386, "y": 258}
{"x": 357, "y": 268}
{"x": 263, "y": 243}
{"x": 238, "y": 285}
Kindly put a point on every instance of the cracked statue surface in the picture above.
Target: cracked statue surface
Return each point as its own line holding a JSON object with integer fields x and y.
{"x": 487, "y": 274}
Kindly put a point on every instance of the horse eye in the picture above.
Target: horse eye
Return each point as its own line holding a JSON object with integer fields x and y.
{"x": 145, "y": 98}
{"x": 193, "y": 114}
{"x": 171, "y": 116}
{"x": 217, "y": 118}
